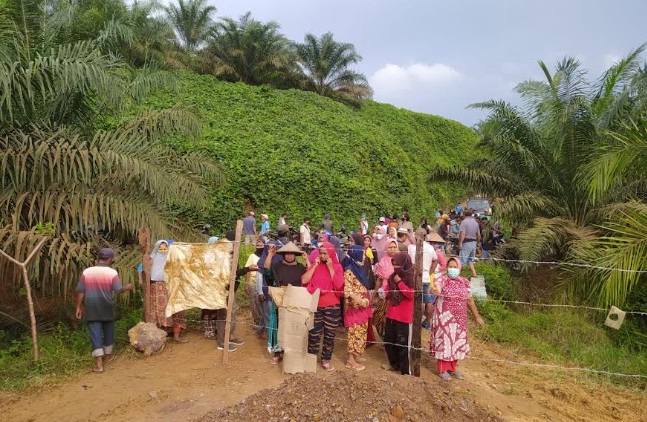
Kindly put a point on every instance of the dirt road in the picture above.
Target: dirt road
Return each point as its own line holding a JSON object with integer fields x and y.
{"x": 189, "y": 381}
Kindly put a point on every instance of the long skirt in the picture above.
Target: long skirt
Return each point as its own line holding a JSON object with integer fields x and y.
{"x": 379, "y": 315}
{"x": 157, "y": 311}
{"x": 357, "y": 338}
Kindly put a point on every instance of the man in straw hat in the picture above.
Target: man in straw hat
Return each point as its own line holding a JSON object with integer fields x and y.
{"x": 429, "y": 263}
{"x": 281, "y": 274}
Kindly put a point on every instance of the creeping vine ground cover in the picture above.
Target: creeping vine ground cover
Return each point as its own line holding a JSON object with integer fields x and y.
{"x": 296, "y": 152}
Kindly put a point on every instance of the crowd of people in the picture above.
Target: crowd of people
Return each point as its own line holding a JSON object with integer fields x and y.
{"x": 365, "y": 281}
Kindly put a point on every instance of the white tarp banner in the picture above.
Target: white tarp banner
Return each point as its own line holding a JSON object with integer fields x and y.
{"x": 197, "y": 275}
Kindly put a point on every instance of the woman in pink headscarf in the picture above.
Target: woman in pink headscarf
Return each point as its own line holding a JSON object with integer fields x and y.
{"x": 383, "y": 271}
{"x": 327, "y": 275}
{"x": 321, "y": 239}
{"x": 379, "y": 241}
{"x": 449, "y": 342}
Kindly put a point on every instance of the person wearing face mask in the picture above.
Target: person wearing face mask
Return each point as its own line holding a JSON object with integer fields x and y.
{"x": 449, "y": 341}
{"x": 379, "y": 241}
{"x": 398, "y": 292}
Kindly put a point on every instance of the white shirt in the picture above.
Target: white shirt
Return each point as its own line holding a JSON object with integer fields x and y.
{"x": 305, "y": 230}
{"x": 428, "y": 256}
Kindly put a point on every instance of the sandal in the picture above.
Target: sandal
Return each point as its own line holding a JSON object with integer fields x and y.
{"x": 180, "y": 341}
{"x": 327, "y": 366}
{"x": 445, "y": 376}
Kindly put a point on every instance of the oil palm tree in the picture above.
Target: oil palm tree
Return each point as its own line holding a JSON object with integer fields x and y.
{"x": 69, "y": 158}
{"x": 249, "y": 51}
{"x": 192, "y": 22}
{"x": 620, "y": 165}
{"x": 532, "y": 158}
{"x": 327, "y": 66}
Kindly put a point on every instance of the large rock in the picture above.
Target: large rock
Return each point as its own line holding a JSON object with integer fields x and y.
{"x": 145, "y": 337}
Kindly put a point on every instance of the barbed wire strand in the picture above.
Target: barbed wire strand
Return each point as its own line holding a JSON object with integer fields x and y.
{"x": 429, "y": 350}
{"x": 525, "y": 261}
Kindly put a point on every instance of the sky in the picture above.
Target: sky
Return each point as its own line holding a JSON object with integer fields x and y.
{"x": 438, "y": 57}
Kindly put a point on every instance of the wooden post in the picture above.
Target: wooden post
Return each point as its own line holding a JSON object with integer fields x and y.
{"x": 147, "y": 263}
{"x": 417, "y": 304}
{"x": 232, "y": 288}
{"x": 30, "y": 302}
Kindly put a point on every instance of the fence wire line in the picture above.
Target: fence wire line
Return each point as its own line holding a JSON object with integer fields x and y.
{"x": 517, "y": 302}
{"x": 525, "y": 261}
{"x": 430, "y": 351}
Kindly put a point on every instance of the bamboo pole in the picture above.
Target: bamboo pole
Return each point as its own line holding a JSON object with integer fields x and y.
{"x": 417, "y": 304}
{"x": 232, "y": 288}
{"x": 144, "y": 243}
{"x": 30, "y": 302}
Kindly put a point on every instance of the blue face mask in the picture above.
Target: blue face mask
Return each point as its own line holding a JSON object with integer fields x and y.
{"x": 453, "y": 272}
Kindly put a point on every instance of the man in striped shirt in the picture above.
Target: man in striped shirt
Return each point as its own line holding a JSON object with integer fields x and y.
{"x": 94, "y": 290}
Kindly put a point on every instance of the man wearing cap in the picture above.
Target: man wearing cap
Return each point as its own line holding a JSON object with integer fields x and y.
{"x": 469, "y": 237}
{"x": 94, "y": 291}
{"x": 429, "y": 263}
{"x": 265, "y": 226}
{"x": 382, "y": 223}
{"x": 249, "y": 228}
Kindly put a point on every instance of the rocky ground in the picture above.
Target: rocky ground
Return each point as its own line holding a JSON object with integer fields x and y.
{"x": 355, "y": 396}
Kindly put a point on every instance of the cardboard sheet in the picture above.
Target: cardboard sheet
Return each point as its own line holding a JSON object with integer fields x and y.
{"x": 198, "y": 275}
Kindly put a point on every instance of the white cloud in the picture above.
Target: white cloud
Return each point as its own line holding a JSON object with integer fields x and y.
{"x": 393, "y": 80}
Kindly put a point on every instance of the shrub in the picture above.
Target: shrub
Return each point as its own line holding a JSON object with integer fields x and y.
{"x": 498, "y": 281}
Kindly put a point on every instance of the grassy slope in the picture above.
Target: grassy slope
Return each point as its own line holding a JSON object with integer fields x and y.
{"x": 300, "y": 153}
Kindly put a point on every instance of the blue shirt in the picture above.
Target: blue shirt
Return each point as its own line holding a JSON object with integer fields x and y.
{"x": 265, "y": 227}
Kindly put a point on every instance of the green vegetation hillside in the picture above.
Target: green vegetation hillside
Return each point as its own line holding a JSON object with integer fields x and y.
{"x": 297, "y": 152}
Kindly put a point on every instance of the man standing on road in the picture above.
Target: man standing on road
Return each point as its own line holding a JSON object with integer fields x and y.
{"x": 94, "y": 291}
{"x": 249, "y": 228}
{"x": 469, "y": 237}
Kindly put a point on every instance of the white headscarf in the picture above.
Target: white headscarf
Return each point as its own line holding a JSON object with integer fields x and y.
{"x": 159, "y": 260}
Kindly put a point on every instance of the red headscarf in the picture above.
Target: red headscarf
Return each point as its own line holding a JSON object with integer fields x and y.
{"x": 321, "y": 278}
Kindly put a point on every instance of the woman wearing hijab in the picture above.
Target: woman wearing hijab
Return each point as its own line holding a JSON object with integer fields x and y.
{"x": 449, "y": 342}
{"x": 383, "y": 271}
{"x": 369, "y": 261}
{"x": 370, "y": 251}
{"x": 327, "y": 275}
{"x": 357, "y": 309}
{"x": 159, "y": 294}
{"x": 250, "y": 283}
{"x": 321, "y": 239}
{"x": 379, "y": 241}
{"x": 398, "y": 291}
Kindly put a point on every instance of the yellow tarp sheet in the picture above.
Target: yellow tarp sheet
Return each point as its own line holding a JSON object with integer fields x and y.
{"x": 197, "y": 275}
